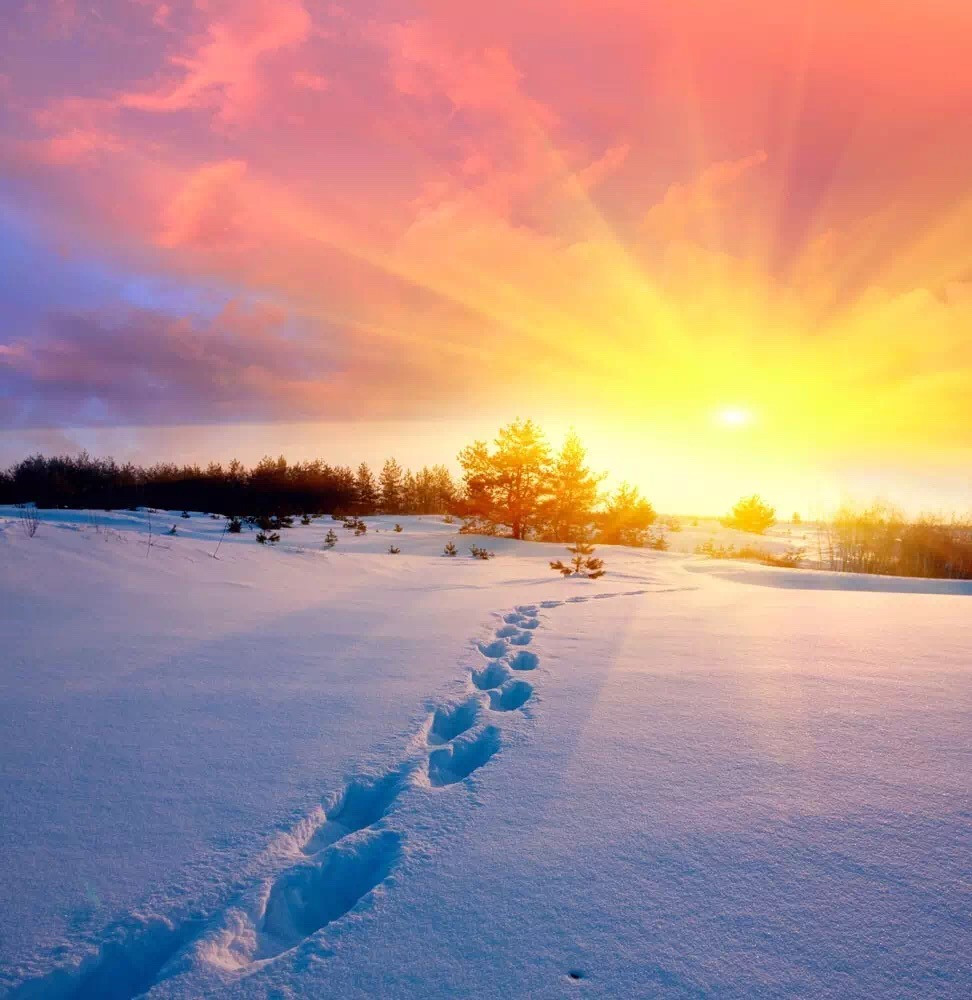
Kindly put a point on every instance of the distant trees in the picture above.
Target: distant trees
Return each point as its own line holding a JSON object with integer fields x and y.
{"x": 432, "y": 491}
{"x": 272, "y": 486}
{"x": 626, "y": 518}
{"x": 751, "y": 515}
{"x": 879, "y": 539}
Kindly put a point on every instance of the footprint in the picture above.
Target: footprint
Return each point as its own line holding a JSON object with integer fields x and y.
{"x": 510, "y": 697}
{"x": 513, "y": 618}
{"x": 458, "y": 761}
{"x": 576, "y": 600}
{"x": 506, "y": 631}
{"x": 362, "y": 803}
{"x": 491, "y": 676}
{"x": 530, "y": 623}
{"x": 128, "y": 964}
{"x": 492, "y": 650}
{"x": 312, "y": 895}
{"x": 453, "y": 720}
{"x": 522, "y": 639}
{"x": 526, "y": 609}
{"x": 524, "y": 660}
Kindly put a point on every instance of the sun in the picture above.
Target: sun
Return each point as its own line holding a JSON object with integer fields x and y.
{"x": 734, "y": 416}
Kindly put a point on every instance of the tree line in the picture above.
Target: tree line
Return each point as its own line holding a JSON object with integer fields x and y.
{"x": 272, "y": 486}
{"x": 517, "y": 485}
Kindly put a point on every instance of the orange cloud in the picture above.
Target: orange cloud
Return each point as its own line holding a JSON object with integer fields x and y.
{"x": 690, "y": 206}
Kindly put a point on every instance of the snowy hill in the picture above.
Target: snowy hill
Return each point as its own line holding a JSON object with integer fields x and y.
{"x": 289, "y": 772}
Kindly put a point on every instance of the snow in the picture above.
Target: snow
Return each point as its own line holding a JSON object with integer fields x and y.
{"x": 291, "y": 772}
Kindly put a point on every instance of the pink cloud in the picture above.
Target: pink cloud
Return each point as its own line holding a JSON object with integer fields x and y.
{"x": 223, "y": 70}
{"x": 206, "y": 213}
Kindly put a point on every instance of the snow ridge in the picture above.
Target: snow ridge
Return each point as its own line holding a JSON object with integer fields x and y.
{"x": 340, "y": 855}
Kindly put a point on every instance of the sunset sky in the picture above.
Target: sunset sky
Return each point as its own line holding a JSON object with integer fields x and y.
{"x": 729, "y": 240}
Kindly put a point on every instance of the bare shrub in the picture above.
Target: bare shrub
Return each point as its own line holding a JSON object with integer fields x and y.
{"x": 880, "y": 540}
{"x": 28, "y": 518}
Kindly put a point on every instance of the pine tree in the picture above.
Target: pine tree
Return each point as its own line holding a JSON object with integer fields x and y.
{"x": 506, "y": 486}
{"x": 391, "y": 487}
{"x": 626, "y": 518}
{"x": 751, "y": 515}
{"x": 365, "y": 489}
{"x": 330, "y": 539}
{"x": 573, "y": 493}
{"x": 584, "y": 562}
{"x": 450, "y": 549}
{"x": 409, "y": 503}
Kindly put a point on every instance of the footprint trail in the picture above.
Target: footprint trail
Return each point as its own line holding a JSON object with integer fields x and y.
{"x": 338, "y": 858}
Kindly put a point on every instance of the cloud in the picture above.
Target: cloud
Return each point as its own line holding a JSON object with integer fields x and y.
{"x": 207, "y": 212}
{"x": 603, "y": 167}
{"x": 223, "y": 71}
{"x": 131, "y": 365}
{"x": 690, "y": 206}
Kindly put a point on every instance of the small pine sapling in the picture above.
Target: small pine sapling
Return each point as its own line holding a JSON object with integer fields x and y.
{"x": 305, "y": 519}
{"x": 398, "y": 528}
{"x": 235, "y": 526}
{"x": 583, "y": 562}
{"x": 268, "y": 539}
{"x": 360, "y": 528}
{"x": 393, "y": 550}
{"x": 450, "y": 549}
{"x": 172, "y": 531}
{"x": 330, "y": 539}
{"x": 185, "y": 514}
{"x": 480, "y": 553}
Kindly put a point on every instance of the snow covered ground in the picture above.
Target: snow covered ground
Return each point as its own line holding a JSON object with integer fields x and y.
{"x": 291, "y": 772}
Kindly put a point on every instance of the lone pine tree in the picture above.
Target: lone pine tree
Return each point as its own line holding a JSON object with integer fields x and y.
{"x": 584, "y": 562}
